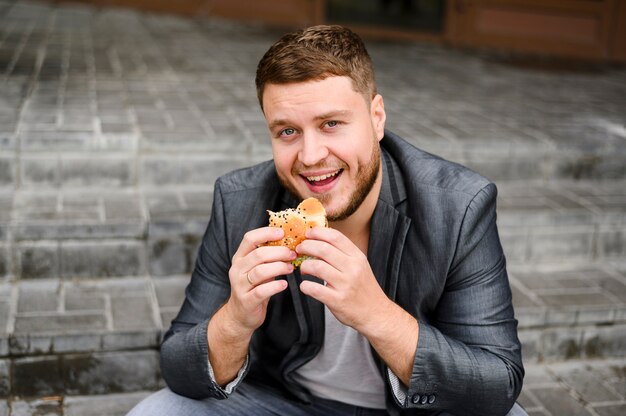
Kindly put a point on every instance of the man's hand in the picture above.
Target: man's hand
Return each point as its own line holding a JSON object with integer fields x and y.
{"x": 356, "y": 299}
{"x": 252, "y": 276}
{"x": 252, "y": 282}
{"x": 351, "y": 291}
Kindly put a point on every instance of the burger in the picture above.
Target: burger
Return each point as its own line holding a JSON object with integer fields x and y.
{"x": 295, "y": 221}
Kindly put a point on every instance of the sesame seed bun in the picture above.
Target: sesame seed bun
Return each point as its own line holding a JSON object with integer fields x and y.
{"x": 295, "y": 221}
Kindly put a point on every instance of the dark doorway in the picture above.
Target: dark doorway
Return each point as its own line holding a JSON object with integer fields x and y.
{"x": 417, "y": 15}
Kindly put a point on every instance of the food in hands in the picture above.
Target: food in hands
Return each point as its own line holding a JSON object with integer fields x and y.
{"x": 295, "y": 221}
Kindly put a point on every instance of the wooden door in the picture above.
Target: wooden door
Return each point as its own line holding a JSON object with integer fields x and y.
{"x": 572, "y": 28}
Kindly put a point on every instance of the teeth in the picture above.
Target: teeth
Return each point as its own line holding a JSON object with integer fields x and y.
{"x": 321, "y": 177}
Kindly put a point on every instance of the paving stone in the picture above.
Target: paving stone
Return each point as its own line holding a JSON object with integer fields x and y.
{"x": 50, "y": 406}
{"x": 5, "y": 261}
{"x": 561, "y": 243}
{"x": 55, "y": 322}
{"x": 604, "y": 341}
{"x": 37, "y": 259}
{"x": 170, "y": 291}
{"x": 558, "y": 402}
{"x": 587, "y": 385}
{"x": 145, "y": 339}
{"x": 7, "y": 139}
{"x": 37, "y": 376}
{"x": 75, "y": 342}
{"x": 7, "y": 171}
{"x": 133, "y": 312}
{"x": 159, "y": 171}
{"x": 575, "y": 387}
{"x": 531, "y": 345}
{"x": 539, "y": 412}
{"x": 611, "y": 410}
{"x": 102, "y": 259}
{"x": 515, "y": 244}
{"x": 38, "y": 296}
{"x": 612, "y": 242}
{"x": 115, "y": 172}
{"x": 168, "y": 256}
{"x": 103, "y": 405}
{"x": 559, "y": 344}
{"x": 110, "y": 372}
{"x": 596, "y": 166}
{"x": 67, "y": 215}
{"x": 527, "y": 401}
{"x": 40, "y": 171}
{"x": 5, "y": 378}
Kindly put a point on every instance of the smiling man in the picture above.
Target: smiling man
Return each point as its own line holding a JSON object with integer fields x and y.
{"x": 405, "y": 305}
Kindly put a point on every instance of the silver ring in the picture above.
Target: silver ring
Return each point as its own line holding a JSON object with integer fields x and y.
{"x": 248, "y": 278}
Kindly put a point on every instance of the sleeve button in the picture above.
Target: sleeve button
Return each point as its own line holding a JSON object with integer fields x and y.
{"x": 431, "y": 399}
{"x": 424, "y": 399}
{"x": 416, "y": 398}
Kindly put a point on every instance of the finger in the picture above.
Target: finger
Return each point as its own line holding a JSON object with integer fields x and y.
{"x": 324, "y": 251}
{"x": 321, "y": 270}
{"x": 266, "y": 272}
{"x": 254, "y": 238}
{"x": 332, "y": 237}
{"x": 265, "y": 291}
{"x": 317, "y": 291}
{"x": 267, "y": 254}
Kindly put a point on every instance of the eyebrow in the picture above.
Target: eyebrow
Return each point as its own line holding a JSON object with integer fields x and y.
{"x": 324, "y": 116}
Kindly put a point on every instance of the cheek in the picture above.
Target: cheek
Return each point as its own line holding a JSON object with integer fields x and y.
{"x": 283, "y": 160}
{"x": 359, "y": 157}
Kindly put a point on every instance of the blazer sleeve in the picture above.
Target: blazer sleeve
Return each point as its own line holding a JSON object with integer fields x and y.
{"x": 184, "y": 350}
{"x": 468, "y": 359}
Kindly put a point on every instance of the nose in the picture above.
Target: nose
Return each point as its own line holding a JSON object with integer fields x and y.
{"x": 313, "y": 150}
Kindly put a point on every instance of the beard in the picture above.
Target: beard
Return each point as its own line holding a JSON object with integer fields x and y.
{"x": 366, "y": 178}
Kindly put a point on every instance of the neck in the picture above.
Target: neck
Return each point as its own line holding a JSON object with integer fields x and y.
{"x": 357, "y": 226}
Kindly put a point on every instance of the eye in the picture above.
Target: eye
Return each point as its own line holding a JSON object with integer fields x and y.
{"x": 287, "y": 132}
{"x": 332, "y": 123}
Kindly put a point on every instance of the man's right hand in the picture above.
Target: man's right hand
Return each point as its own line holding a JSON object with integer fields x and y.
{"x": 252, "y": 276}
{"x": 252, "y": 283}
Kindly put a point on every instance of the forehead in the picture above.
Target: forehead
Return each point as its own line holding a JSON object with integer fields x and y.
{"x": 332, "y": 93}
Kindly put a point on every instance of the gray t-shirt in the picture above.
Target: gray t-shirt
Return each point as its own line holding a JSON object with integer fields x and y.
{"x": 344, "y": 370}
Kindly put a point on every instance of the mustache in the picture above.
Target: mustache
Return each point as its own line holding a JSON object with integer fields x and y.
{"x": 298, "y": 168}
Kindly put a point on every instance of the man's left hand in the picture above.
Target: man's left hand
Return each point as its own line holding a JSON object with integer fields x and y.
{"x": 351, "y": 292}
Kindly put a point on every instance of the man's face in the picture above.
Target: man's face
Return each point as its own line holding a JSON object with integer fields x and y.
{"x": 325, "y": 141}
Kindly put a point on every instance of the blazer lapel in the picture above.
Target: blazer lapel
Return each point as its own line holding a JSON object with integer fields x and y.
{"x": 389, "y": 229}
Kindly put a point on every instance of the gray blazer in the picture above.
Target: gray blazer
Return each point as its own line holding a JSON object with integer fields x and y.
{"x": 434, "y": 249}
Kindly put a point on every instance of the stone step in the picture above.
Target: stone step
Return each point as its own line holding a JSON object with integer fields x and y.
{"x": 570, "y": 311}
{"x": 98, "y": 232}
{"x": 585, "y": 387}
{"x": 581, "y": 387}
{"x": 112, "y": 404}
{"x": 519, "y": 160}
{"x": 100, "y": 336}
{"x": 192, "y": 165}
{"x": 545, "y": 222}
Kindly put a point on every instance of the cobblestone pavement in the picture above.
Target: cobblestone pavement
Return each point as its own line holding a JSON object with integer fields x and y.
{"x": 114, "y": 125}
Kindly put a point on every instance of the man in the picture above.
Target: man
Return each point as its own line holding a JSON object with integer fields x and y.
{"x": 405, "y": 307}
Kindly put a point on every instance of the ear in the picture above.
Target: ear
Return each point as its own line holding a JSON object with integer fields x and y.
{"x": 377, "y": 113}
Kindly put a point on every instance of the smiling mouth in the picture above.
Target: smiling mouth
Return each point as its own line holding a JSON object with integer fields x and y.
{"x": 323, "y": 179}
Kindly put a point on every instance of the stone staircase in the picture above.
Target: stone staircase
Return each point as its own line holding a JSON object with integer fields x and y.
{"x": 114, "y": 125}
